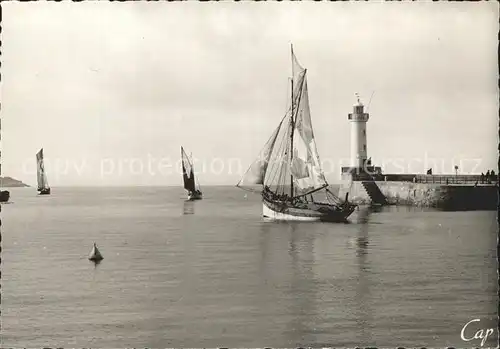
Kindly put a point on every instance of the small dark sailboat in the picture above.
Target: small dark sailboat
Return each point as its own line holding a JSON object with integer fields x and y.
{"x": 194, "y": 192}
{"x": 4, "y": 195}
{"x": 43, "y": 184}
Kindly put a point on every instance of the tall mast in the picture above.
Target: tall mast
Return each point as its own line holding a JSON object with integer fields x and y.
{"x": 291, "y": 133}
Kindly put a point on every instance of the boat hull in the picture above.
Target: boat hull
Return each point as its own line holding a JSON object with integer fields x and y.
{"x": 4, "y": 196}
{"x": 313, "y": 213}
{"x": 270, "y": 211}
{"x": 45, "y": 191}
{"x": 195, "y": 196}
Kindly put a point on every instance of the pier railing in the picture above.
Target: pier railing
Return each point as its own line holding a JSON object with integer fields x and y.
{"x": 456, "y": 179}
{"x": 435, "y": 179}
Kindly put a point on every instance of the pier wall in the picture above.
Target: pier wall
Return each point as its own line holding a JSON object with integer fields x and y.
{"x": 457, "y": 197}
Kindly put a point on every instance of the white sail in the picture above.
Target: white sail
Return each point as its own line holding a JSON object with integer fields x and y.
{"x": 41, "y": 175}
{"x": 290, "y": 157}
{"x": 187, "y": 164}
{"x": 278, "y": 173}
{"x": 256, "y": 173}
{"x": 296, "y": 162}
{"x": 306, "y": 166}
{"x": 298, "y": 75}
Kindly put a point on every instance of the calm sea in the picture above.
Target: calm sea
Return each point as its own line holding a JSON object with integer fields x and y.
{"x": 213, "y": 273}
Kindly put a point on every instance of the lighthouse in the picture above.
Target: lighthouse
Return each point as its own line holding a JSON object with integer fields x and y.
{"x": 358, "y": 119}
{"x": 360, "y": 164}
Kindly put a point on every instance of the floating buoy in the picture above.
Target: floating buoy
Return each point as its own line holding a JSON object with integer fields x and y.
{"x": 95, "y": 255}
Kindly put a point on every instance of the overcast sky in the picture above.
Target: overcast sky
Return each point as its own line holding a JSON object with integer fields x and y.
{"x": 97, "y": 84}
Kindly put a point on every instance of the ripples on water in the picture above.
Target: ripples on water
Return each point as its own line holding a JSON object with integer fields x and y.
{"x": 213, "y": 273}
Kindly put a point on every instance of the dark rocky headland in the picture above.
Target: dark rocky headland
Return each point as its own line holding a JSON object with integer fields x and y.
{"x": 9, "y": 182}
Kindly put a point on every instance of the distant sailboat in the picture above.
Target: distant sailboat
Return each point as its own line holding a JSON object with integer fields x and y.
{"x": 194, "y": 192}
{"x": 43, "y": 184}
{"x": 95, "y": 255}
{"x": 4, "y": 195}
{"x": 289, "y": 168}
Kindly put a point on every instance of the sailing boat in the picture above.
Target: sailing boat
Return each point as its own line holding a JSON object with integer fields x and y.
{"x": 194, "y": 192}
{"x": 43, "y": 184}
{"x": 288, "y": 170}
{"x": 4, "y": 195}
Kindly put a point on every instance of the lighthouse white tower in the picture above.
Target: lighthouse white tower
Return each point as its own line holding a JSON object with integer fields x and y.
{"x": 358, "y": 119}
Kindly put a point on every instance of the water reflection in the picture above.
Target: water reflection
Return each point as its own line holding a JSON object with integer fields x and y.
{"x": 291, "y": 276}
{"x": 264, "y": 249}
{"x": 303, "y": 291}
{"x": 188, "y": 207}
{"x": 362, "y": 237}
{"x": 286, "y": 271}
{"x": 364, "y": 318}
